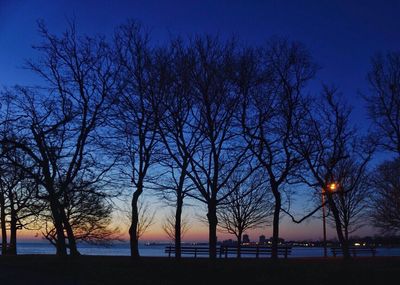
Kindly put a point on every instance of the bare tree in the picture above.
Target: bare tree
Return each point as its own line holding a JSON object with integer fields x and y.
{"x": 170, "y": 224}
{"x": 328, "y": 142}
{"x": 142, "y": 85}
{"x": 59, "y": 123}
{"x": 179, "y": 133}
{"x": 273, "y": 90}
{"x": 385, "y": 183}
{"x": 88, "y": 209}
{"x": 248, "y": 207}
{"x": 383, "y": 102}
{"x": 352, "y": 196}
{"x": 221, "y": 152}
{"x": 19, "y": 207}
{"x": 146, "y": 217}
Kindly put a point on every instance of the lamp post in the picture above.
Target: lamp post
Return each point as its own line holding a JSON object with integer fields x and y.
{"x": 331, "y": 188}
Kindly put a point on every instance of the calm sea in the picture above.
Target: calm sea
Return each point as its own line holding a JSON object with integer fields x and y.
{"x": 158, "y": 250}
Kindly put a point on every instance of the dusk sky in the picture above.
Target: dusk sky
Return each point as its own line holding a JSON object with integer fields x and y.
{"x": 341, "y": 36}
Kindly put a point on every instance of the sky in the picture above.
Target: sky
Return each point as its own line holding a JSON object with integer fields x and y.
{"x": 341, "y": 36}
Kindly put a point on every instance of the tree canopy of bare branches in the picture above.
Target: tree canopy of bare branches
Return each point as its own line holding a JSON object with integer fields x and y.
{"x": 170, "y": 224}
{"x": 57, "y": 125}
{"x": 180, "y": 136}
{"x": 142, "y": 82}
{"x": 221, "y": 152}
{"x": 331, "y": 148}
{"x": 353, "y": 196}
{"x": 228, "y": 126}
{"x": 385, "y": 209}
{"x": 383, "y": 101}
{"x": 248, "y": 207}
{"x": 273, "y": 93}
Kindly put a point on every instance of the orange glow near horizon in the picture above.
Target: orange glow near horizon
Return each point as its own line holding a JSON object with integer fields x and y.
{"x": 199, "y": 233}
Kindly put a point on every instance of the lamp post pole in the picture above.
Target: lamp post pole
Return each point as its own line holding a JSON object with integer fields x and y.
{"x": 324, "y": 223}
{"x": 332, "y": 187}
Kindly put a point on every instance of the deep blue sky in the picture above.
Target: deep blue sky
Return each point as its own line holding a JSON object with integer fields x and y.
{"x": 341, "y": 35}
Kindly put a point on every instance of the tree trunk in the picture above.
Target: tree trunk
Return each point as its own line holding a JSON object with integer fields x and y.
{"x": 134, "y": 241}
{"x": 12, "y": 249}
{"x": 73, "y": 248}
{"x": 61, "y": 246}
{"x": 3, "y": 226}
{"x": 239, "y": 244}
{"x": 212, "y": 226}
{"x": 343, "y": 241}
{"x": 346, "y": 230}
{"x": 275, "y": 224}
{"x": 178, "y": 225}
{"x": 178, "y": 212}
{"x": 346, "y": 234}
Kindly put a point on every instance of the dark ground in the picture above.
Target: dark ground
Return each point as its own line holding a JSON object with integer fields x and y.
{"x": 41, "y": 269}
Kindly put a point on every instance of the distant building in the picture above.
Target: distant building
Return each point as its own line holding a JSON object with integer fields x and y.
{"x": 246, "y": 239}
{"x": 280, "y": 240}
{"x": 262, "y": 239}
{"x": 229, "y": 242}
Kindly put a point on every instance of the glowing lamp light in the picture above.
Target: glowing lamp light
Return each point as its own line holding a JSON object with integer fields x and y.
{"x": 333, "y": 187}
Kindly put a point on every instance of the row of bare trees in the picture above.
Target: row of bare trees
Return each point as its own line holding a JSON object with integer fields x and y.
{"x": 229, "y": 126}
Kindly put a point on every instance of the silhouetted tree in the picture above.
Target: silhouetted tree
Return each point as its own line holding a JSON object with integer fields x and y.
{"x": 273, "y": 90}
{"x": 146, "y": 217}
{"x": 170, "y": 224}
{"x": 135, "y": 118}
{"x": 88, "y": 209}
{"x": 58, "y": 124}
{"x": 221, "y": 152}
{"x": 329, "y": 143}
{"x": 383, "y": 101}
{"x": 248, "y": 207}
{"x": 179, "y": 133}
{"x": 353, "y": 195}
{"x": 385, "y": 184}
{"x": 19, "y": 207}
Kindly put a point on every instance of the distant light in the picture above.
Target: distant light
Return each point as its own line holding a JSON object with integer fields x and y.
{"x": 357, "y": 244}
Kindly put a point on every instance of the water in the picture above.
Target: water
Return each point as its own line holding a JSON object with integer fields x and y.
{"x": 122, "y": 249}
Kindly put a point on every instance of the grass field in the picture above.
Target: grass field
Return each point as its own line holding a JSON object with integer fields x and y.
{"x": 41, "y": 269}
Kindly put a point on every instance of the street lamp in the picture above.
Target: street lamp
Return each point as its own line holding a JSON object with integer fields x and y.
{"x": 331, "y": 187}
